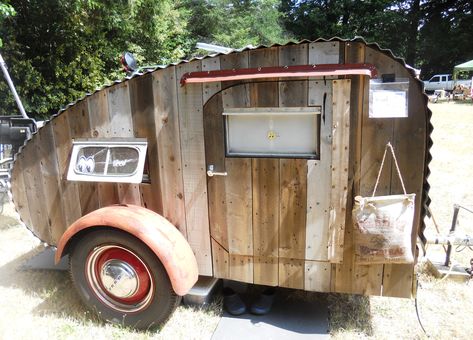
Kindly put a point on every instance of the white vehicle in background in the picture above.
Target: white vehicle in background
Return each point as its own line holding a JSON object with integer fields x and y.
{"x": 444, "y": 82}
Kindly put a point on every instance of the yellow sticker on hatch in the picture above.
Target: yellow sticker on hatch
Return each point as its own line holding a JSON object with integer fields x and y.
{"x": 271, "y": 135}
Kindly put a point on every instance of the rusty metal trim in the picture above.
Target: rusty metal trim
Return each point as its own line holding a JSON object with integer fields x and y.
{"x": 163, "y": 238}
{"x": 279, "y": 72}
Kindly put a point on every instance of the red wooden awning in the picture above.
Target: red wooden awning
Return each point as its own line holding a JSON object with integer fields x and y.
{"x": 280, "y": 72}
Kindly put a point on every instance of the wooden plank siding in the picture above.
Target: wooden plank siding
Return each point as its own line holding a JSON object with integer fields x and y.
{"x": 271, "y": 221}
{"x": 399, "y": 279}
{"x": 265, "y": 178}
{"x": 339, "y": 168}
{"x": 166, "y": 117}
{"x": 194, "y": 168}
{"x": 144, "y": 126}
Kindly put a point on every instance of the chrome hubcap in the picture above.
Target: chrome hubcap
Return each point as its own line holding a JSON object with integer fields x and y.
{"x": 119, "y": 278}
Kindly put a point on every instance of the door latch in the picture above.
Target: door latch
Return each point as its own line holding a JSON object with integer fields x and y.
{"x": 211, "y": 172}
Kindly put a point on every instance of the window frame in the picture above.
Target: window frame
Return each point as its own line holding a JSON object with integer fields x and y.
{"x": 138, "y": 144}
{"x": 273, "y": 111}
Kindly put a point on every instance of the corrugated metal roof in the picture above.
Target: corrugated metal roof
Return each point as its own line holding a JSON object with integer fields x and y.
{"x": 388, "y": 52}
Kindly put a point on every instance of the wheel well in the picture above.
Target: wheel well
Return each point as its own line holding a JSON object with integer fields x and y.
{"x": 78, "y": 236}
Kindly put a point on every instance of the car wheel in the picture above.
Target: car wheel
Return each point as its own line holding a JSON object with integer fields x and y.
{"x": 121, "y": 279}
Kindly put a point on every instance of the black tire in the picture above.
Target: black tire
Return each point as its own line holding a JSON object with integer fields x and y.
{"x": 121, "y": 262}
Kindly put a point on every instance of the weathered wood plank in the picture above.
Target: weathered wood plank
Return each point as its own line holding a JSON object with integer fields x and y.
{"x": 166, "y": 116}
{"x": 375, "y": 134}
{"x": 194, "y": 171}
{"x": 317, "y": 276}
{"x": 265, "y": 270}
{"x": 99, "y": 118}
{"x": 239, "y": 206}
{"x": 19, "y": 192}
{"x": 142, "y": 111}
{"x": 99, "y": 114}
{"x": 215, "y": 155}
{"x": 51, "y": 181}
{"x": 319, "y": 176}
{"x": 292, "y": 209}
{"x": 209, "y": 89}
{"x": 399, "y": 279}
{"x": 292, "y": 172}
{"x": 35, "y": 192}
{"x": 220, "y": 260}
{"x": 79, "y": 126}
{"x": 326, "y": 52}
{"x": 318, "y": 172}
{"x": 119, "y": 109}
{"x": 233, "y": 61}
{"x": 108, "y": 194}
{"x": 241, "y": 268}
{"x": 346, "y": 276}
{"x": 121, "y": 125}
{"x": 340, "y": 154}
{"x": 70, "y": 192}
{"x": 265, "y": 175}
{"x": 291, "y": 273}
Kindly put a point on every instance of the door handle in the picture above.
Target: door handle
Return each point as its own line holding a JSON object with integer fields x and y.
{"x": 211, "y": 172}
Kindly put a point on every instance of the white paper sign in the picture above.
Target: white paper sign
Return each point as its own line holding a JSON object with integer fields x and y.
{"x": 388, "y": 104}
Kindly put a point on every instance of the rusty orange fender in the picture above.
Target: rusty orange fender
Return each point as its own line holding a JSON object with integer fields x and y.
{"x": 155, "y": 231}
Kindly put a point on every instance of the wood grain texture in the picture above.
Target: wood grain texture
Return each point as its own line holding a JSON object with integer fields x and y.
{"x": 215, "y": 155}
{"x": 220, "y": 261}
{"x": 69, "y": 190}
{"x": 317, "y": 276}
{"x": 241, "y": 268}
{"x": 99, "y": 114}
{"x": 239, "y": 201}
{"x": 119, "y": 110}
{"x": 265, "y": 270}
{"x": 35, "y": 193}
{"x": 293, "y": 172}
{"x": 51, "y": 181}
{"x": 340, "y": 154}
{"x": 19, "y": 193}
{"x": 399, "y": 279}
{"x": 79, "y": 127}
{"x": 347, "y": 276}
{"x": 99, "y": 118}
{"x": 142, "y": 111}
{"x": 291, "y": 273}
{"x": 209, "y": 89}
{"x": 324, "y": 52}
{"x": 319, "y": 176}
{"x": 194, "y": 171}
{"x": 265, "y": 175}
{"x": 166, "y": 117}
{"x": 292, "y": 208}
{"x": 233, "y": 61}
{"x": 121, "y": 125}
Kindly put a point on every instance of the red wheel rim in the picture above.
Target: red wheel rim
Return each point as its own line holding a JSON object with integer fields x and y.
{"x": 119, "y": 278}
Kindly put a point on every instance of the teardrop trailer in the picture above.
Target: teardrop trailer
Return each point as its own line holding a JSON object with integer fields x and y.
{"x": 240, "y": 166}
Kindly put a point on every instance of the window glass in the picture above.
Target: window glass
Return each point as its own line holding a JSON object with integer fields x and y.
{"x": 108, "y": 160}
{"x": 277, "y": 132}
{"x": 435, "y": 79}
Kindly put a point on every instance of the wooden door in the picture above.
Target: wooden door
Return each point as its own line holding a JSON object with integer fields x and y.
{"x": 270, "y": 217}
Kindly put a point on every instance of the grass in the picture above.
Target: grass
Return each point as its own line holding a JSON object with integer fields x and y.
{"x": 44, "y": 305}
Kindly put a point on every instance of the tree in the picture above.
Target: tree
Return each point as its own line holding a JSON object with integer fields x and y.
{"x": 445, "y": 35}
{"x": 235, "y": 23}
{"x": 58, "y": 50}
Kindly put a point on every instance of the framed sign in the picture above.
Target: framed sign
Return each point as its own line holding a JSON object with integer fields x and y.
{"x": 389, "y": 100}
